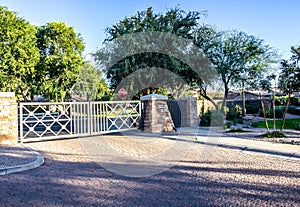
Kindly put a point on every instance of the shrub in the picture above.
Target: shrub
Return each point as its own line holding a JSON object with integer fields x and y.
{"x": 236, "y": 130}
{"x": 228, "y": 124}
{"x": 255, "y": 124}
{"x": 275, "y": 134}
{"x": 238, "y": 109}
{"x": 234, "y": 113}
{"x": 297, "y": 126}
{"x": 212, "y": 118}
{"x": 238, "y": 121}
{"x": 231, "y": 115}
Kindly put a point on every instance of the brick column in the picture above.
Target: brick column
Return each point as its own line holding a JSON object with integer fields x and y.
{"x": 188, "y": 107}
{"x": 8, "y": 118}
{"x": 157, "y": 118}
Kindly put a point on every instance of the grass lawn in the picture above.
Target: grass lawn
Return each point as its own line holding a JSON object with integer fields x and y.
{"x": 289, "y": 124}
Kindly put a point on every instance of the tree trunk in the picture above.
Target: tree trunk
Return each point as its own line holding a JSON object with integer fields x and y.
{"x": 224, "y": 99}
{"x": 274, "y": 112}
{"x": 286, "y": 109}
{"x": 264, "y": 112}
{"x": 243, "y": 101}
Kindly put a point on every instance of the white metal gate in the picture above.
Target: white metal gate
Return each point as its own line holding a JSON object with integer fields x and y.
{"x": 40, "y": 121}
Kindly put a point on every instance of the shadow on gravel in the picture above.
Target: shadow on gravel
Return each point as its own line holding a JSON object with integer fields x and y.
{"x": 59, "y": 183}
{"x": 11, "y": 155}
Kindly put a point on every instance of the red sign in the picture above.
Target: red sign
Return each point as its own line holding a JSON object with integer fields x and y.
{"x": 122, "y": 93}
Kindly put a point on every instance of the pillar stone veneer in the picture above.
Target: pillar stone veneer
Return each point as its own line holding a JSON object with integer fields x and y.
{"x": 188, "y": 108}
{"x": 157, "y": 116}
{"x": 8, "y": 118}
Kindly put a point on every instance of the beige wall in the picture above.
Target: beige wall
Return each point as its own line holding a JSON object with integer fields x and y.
{"x": 8, "y": 118}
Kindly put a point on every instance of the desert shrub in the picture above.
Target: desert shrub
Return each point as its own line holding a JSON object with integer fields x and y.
{"x": 237, "y": 130}
{"x": 228, "y": 124}
{"x": 212, "y": 118}
{"x": 275, "y": 134}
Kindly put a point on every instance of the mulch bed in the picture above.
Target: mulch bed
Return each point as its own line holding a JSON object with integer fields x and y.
{"x": 292, "y": 137}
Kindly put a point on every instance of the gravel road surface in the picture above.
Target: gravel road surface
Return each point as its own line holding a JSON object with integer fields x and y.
{"x": 95, "y": 171}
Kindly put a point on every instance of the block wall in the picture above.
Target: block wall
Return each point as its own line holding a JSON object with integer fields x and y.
{"x": 8, "y": 118}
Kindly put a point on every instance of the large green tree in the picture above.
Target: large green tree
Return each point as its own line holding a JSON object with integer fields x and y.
{"x": 90, "y": 84}
{"x": 239, "y": 58}
{"x": 155, "y": 46}
{"x": 289, "y": 79}
{"x": 60, "y": 60}
{"x": 18, "y": 54}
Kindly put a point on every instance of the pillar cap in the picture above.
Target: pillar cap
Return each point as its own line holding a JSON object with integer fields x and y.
{"x": 156, "y": 97}
{"x": 7, "y": 94}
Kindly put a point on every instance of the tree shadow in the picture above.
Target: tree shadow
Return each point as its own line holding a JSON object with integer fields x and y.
{"x": 66, "y": 183}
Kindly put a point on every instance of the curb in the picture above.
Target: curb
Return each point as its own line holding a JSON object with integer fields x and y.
{"x": 28, "y": 166}
{"x": 289, "y": 155}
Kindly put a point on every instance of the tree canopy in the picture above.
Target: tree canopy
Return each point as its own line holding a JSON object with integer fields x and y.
{"x": 237, "y": 56}
{"x": 18, "y": 54}
{"x": 90, "y": 85}
{"x": 44, "y": 60}
{"x": 289, "y": 79}
{"x": 60, "y": 60}
{"x": 162, "y": 41}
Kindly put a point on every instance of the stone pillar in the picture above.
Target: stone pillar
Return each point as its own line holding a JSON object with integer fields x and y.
{"x": 157, "y": 117}
{"x": 8, "y": 118}
{"x": 188, "y": 107}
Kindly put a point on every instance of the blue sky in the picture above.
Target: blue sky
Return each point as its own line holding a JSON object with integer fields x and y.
{"x": 275, "y": 21}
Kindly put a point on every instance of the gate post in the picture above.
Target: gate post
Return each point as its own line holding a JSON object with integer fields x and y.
{"x": 157, "y": 116}
{"x": 188, "y": 107}
{"x": 8, "y": 118}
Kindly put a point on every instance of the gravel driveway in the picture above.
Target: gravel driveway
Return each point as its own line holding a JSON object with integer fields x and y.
{"x": 77, "y": 172}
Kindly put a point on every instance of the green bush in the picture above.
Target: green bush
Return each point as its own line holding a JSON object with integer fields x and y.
{"x": 275, "y": 134}
{"x": 237, "y": 130}
{"x": 212, "y": 118}
{"x": 228, "y": 124}
{"x": 231, "y": 115}
{"x": 234, "y": 113}
{"x": 297, "y": 125}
